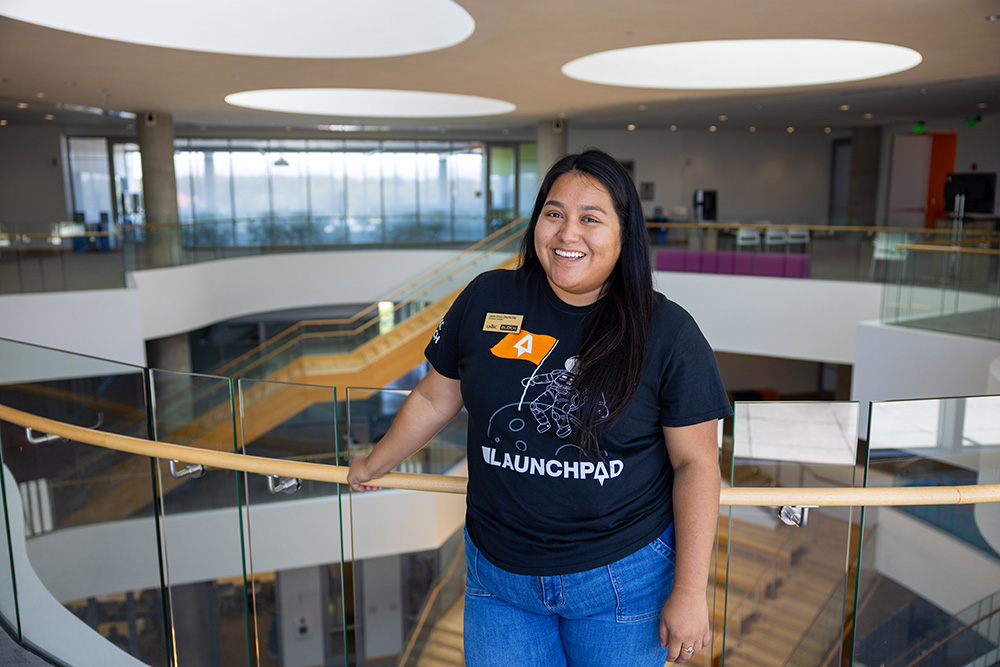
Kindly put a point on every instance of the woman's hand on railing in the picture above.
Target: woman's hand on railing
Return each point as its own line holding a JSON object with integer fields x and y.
{"x": 359, "y": 474}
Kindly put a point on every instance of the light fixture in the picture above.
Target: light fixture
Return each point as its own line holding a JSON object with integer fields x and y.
{"x": 294, "y": 28}
{"x": 49, "y": 116}
{"x": 789, "y": 129}
{"x": 281, "y": 161}
{"x": 845, "y": 107}
{"x": 673, "y": 128}
{"x": 369, "y": 103}
{"x": 723, "y": 118}
{"x": 630, "y": 127}
{"x": 827, "y": 130}
{"x": 642, "y": 107}
{"x": 869, "y": 116}
{"x": 2, "y": 123}
{"x": 712, "y": 128}
{"x": 753, "y": 128}
{"x": 22, "y": 105}
{"x": 742, "y": 63}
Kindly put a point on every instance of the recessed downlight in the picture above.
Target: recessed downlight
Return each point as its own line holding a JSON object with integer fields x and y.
{"x": 369, "y": 103}
{"x": 742, "y": 63}
{"x": 286, "y": 29}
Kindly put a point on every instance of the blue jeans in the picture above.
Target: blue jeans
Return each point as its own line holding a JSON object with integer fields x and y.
{"x": 606, "y": 616}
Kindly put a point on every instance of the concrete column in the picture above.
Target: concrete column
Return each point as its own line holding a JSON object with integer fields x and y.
{"x": 379, "y": 607}
{"x": 196, "y": 624}
{"x": 170, "y": 353}
{"x": 866, "y": 155}
{"x": 159, "y": 189}
{"x": 551, "y": 144}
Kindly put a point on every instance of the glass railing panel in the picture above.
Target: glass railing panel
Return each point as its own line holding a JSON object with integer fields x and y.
{"x": 952, "y": 289}
{"x": 852, "y": 250}
{"x": 911, "y": 615}
{"x": 407, "y": 547}
{"x": 202, "y": 529}
{"x": 785, "y": 585}
{"x": 83, "y": 529}
{"x": 52, "y": 262}
{"x": 294, "y": 543}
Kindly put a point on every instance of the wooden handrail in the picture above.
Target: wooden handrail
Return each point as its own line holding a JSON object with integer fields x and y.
{"x": 927, "y": 247}
{"x": 765, "y": 497}
{"x": 968, "y": 233}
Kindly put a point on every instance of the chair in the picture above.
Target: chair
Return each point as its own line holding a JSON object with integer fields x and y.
{"x": 884, "y": 249}
{"x": 747, "y": 237}
{"x": 774, "y": 236}
{"x": 799, "y": 237}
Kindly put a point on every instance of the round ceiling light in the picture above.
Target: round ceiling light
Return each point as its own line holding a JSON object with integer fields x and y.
{"x": 369, "y": 103}
{"x": 287, "y": 29}
{"x": 742, "y": 63}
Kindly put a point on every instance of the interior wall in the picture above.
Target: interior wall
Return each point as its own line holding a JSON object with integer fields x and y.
{"x": 897, "y": 362}
{"x": 766, "y": 175}
{"x": 811, "y": 320}
{"x": 183, "y": 298}
{"x": 978, "y": 147}
{"x": 32, "y": 191}
{"x": 101, "y": 323}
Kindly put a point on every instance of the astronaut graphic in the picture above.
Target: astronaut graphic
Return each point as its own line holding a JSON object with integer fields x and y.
{"x": 558, "y": 400}
{"x": 551, "y": 400}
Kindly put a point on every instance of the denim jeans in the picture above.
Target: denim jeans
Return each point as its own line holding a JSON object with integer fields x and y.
{"x": 606, "y": 616}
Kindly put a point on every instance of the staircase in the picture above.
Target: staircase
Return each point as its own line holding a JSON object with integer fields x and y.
{"x": 444, "y": 645}
{"x": 784, "y": 620}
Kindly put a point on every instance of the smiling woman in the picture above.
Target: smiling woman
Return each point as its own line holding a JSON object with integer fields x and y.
{"x": 592, "y": 446}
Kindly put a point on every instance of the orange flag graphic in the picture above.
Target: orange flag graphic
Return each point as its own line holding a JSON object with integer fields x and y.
{"x": 524, "y": 345}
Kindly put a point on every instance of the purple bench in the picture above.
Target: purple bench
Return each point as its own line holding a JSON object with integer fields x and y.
{"x": 777, "y": 264}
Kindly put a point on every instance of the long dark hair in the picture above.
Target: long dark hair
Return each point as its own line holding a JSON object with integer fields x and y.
{"x": 612, "y": 355}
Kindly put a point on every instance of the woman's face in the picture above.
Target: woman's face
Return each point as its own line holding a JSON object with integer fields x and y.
{"x": 578, "y": 238}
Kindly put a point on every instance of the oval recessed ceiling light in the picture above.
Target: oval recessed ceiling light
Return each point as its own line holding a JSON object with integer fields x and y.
{"x": 287, "y": 29}
{"x": 369, "y": 103}
{"x": 742, "y": 63}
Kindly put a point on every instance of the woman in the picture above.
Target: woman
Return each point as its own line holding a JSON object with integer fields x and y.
{"x": 593, "y": 404}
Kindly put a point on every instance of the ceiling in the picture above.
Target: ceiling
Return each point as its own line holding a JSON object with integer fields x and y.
{"x": 515, "y": 54}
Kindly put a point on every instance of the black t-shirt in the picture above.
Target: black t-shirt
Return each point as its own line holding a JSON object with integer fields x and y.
{"x": 537, "y": 504}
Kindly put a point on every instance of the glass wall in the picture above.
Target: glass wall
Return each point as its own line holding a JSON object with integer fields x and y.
{"x": 287, "y": 192}
{"x": 344, "y": 191}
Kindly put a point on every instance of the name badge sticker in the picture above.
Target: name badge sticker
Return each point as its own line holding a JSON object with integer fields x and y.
{"x": 502, "y": 323}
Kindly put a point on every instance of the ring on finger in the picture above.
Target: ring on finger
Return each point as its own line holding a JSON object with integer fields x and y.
{"x": 689, "y": 649}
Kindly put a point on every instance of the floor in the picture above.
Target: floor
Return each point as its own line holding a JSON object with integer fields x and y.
{"x": 13, "y": 655}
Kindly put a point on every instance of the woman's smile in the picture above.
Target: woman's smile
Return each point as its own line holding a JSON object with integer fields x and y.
{"x": 578, "y": 238}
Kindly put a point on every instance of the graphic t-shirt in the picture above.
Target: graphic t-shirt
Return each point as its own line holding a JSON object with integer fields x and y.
{"x": 537, "y": 504}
